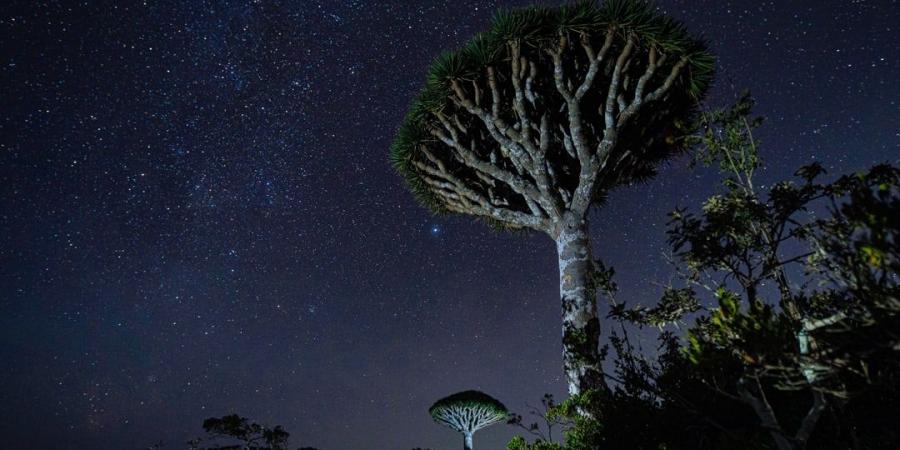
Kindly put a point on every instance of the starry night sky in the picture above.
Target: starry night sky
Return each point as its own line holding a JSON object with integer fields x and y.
{"x": 198, "y": 216}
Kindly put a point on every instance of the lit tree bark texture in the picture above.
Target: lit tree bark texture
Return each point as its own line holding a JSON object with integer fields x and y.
{"x": 467, "y": 419}
{"x": 526, "y": 145}
{"x": 580, "y": 321}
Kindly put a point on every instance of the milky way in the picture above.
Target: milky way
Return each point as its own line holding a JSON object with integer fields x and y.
{"x": 198, "y": 216}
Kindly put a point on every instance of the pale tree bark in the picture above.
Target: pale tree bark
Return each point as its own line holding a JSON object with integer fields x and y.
{"x": 467, "y": 443}
{"x": 580, "y": 323}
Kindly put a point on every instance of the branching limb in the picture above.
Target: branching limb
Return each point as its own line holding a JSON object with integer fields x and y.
{"x": 471, "y": 159}
{"x": 614, "y": 83}
{"x": 595, "y": 62}
{"x": 537, "y": 153}
{"x": 462, "y": 203}
{"x": 559, "y": 78}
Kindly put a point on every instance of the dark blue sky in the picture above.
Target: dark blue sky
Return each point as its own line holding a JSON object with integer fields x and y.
{"x": 197, "y": 214}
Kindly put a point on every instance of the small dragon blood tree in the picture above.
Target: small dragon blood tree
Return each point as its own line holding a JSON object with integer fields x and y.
{"x": 536, "y": 120}
{"x": 468, "y": 412}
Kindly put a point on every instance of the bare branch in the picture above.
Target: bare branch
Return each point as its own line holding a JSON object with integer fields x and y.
{"x": 595, "y": 61}
{"x": 523, "y": 151}
{"x": 558, "y": 73}
{"x": 614, "y": 83}
{"x": 676, "y": 70}
{"x": 469, "y": 158}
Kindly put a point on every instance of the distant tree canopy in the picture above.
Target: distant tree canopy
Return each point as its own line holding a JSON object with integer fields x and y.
{"x": 468, "y": 412}
{"x": 800, "y": 348}
{"x": 233, "y": 432}
{"x": 537, "y": 119}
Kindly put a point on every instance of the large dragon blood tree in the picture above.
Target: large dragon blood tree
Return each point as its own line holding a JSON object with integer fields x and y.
{"x": 539, "y": 118}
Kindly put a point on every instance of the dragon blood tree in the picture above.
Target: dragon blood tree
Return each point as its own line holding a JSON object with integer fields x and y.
{"x": 468, "y": 412}
{"x": 539, "y": 118}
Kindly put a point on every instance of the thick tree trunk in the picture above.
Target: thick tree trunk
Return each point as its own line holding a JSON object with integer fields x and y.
{"x": 581, "y": 326}
{"x": 467, "y": 445}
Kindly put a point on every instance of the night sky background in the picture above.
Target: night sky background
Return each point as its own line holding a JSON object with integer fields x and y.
{"x": 198, "y": 216}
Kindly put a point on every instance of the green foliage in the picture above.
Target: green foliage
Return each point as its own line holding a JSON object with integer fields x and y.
{"x": 755, "y": 337}
{"x": 726, "y": 138}
{"x": 582, "y": 431}
{"x": 580, "y": 17}
{"x": 548, "y": 420}
{"x": 533, "y": 25}
{"x": 408, "y": 136}
{"x": 857, "y": 251}
{"x": 469, "y": 399}
{"x": 674, "y": 304}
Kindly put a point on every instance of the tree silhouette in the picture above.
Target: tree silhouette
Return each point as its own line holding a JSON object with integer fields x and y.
{"x": 468, "y": 412}
{"x": 536, "y": 120}
{"x": 235, "y": 428}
